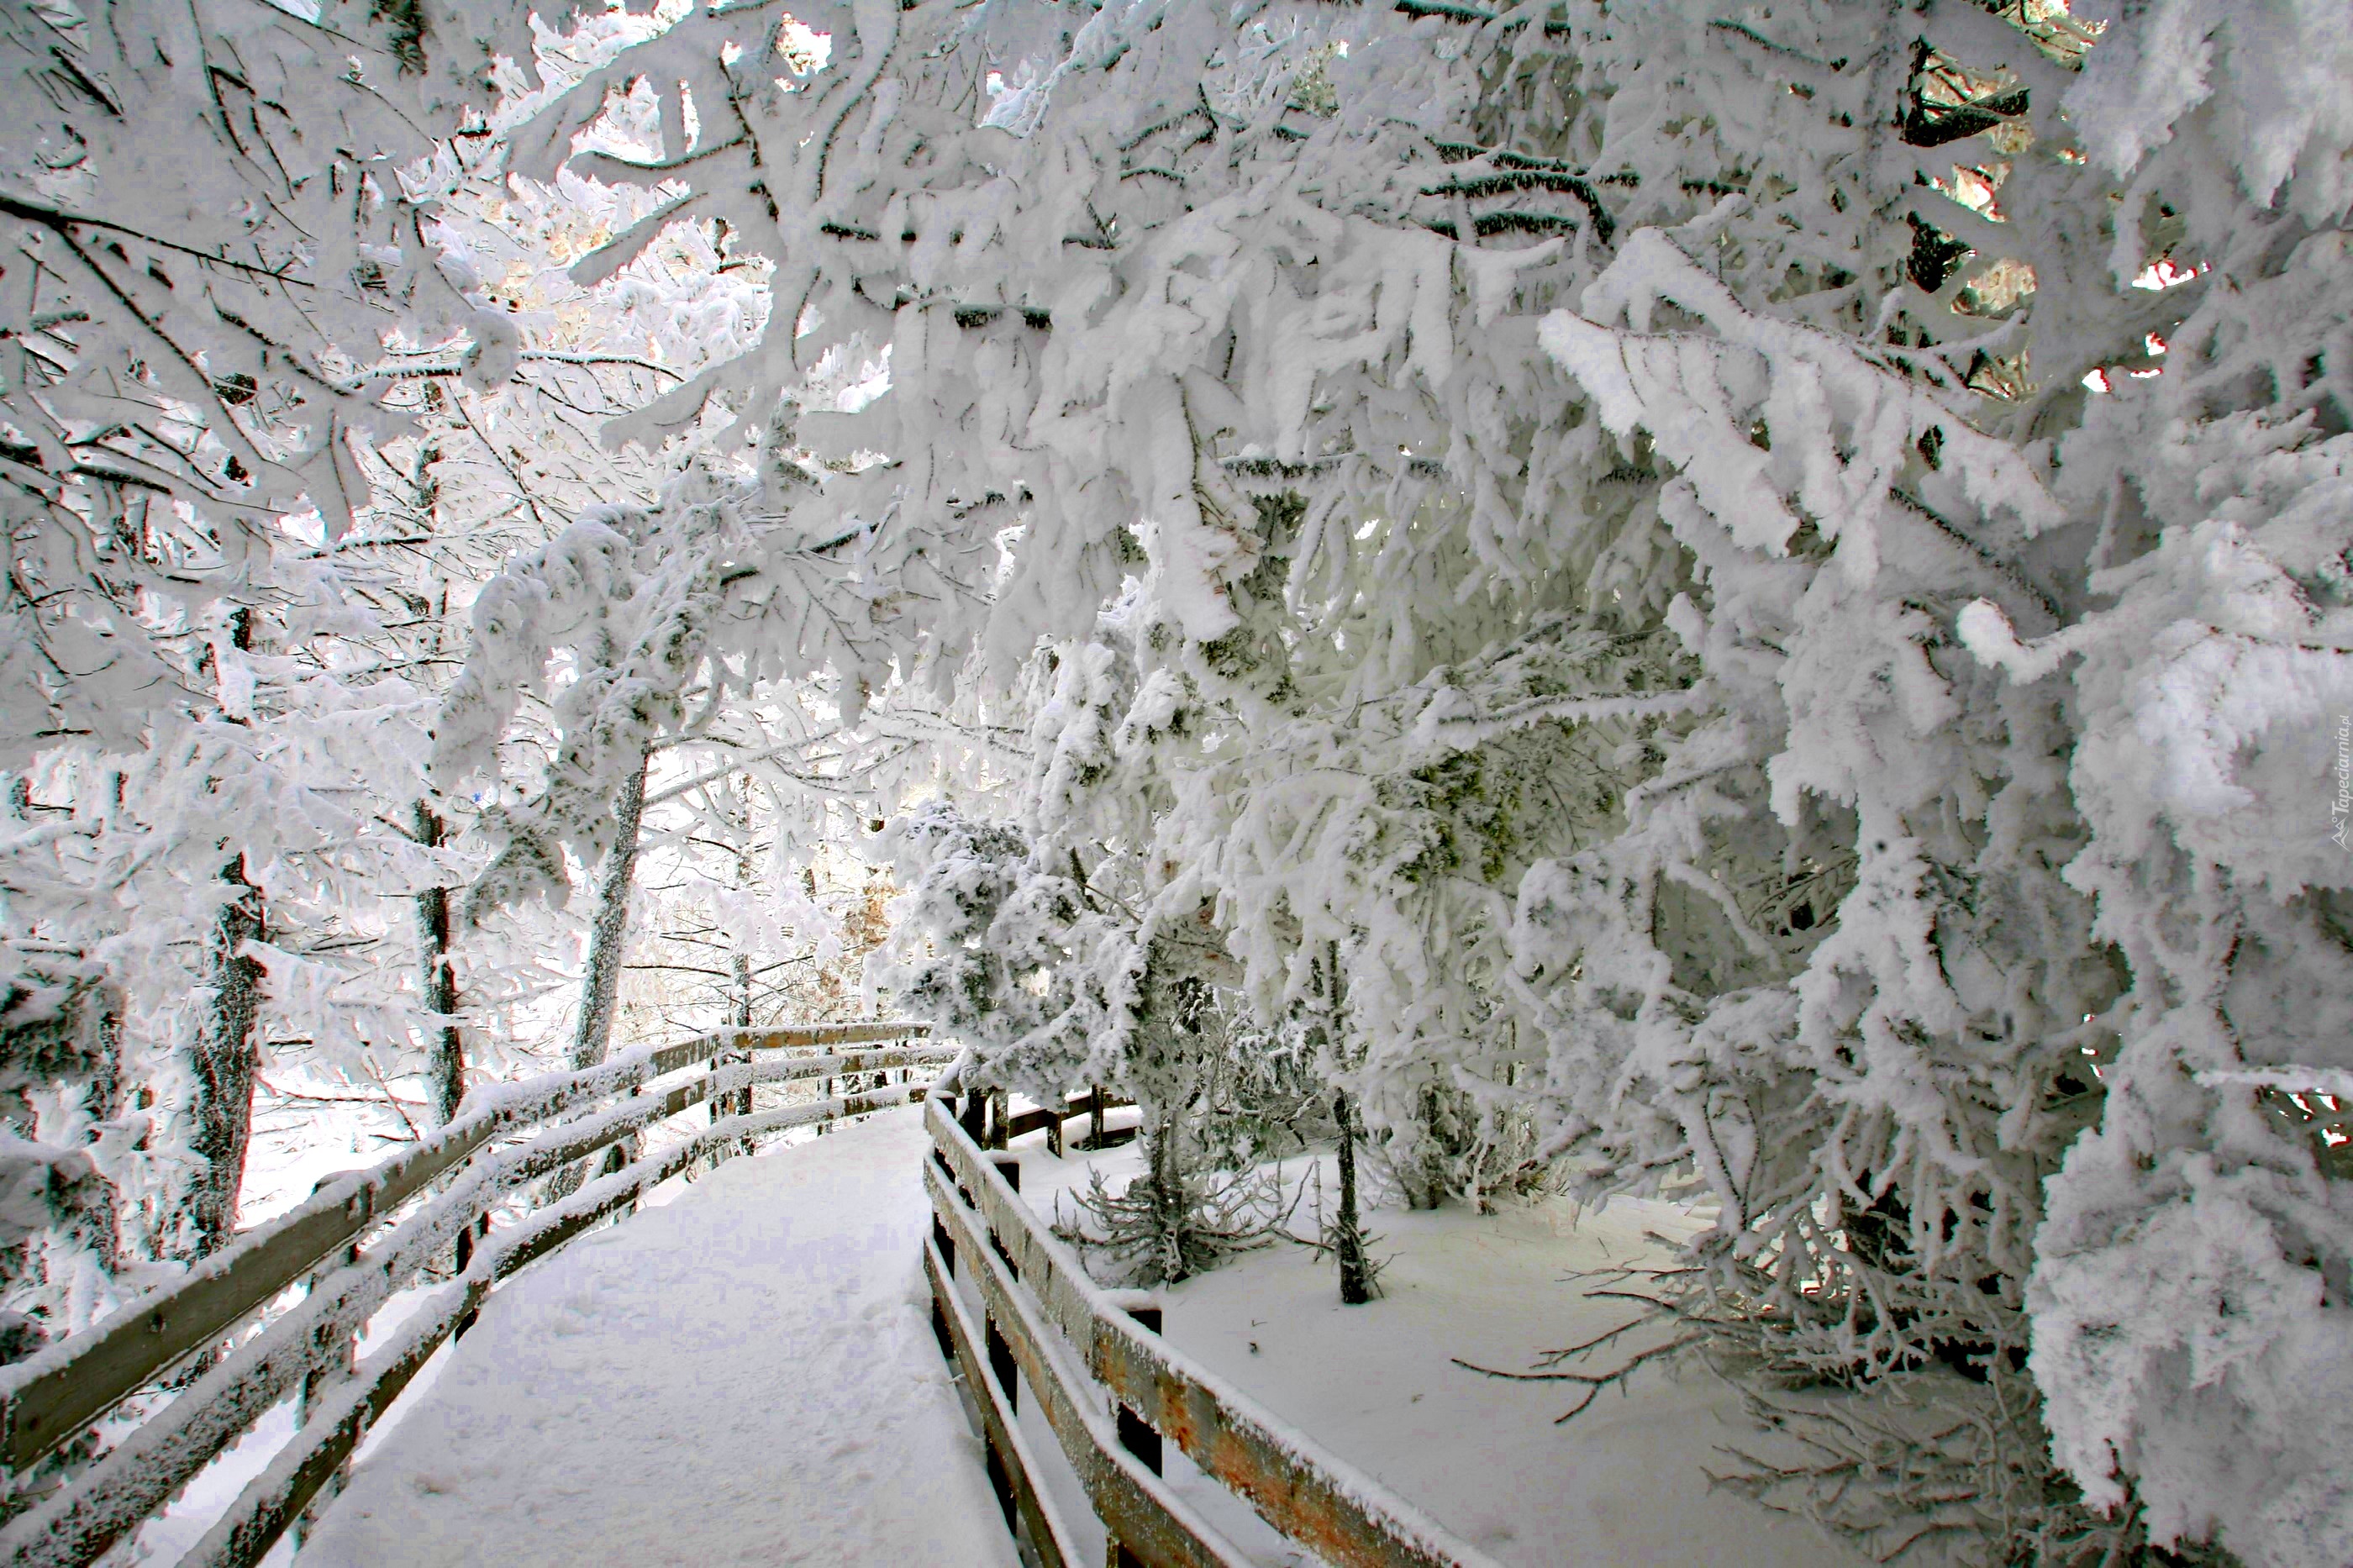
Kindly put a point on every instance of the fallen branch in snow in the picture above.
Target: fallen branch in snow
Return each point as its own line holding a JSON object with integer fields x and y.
{"x": 1593, "y": 1383}
{"x": 1553, "y": 1358}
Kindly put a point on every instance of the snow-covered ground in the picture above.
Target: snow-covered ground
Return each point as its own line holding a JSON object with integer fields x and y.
{"x": 1624, "y": 1483}
{"x": 746, "y": 1374}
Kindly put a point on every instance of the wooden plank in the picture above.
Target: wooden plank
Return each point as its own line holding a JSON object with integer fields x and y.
{"x": 1044, "y": 1115}
{"x": 1310, "y": 1496}
{"x": 798, "y": 1036}
{"x": 1137, "y": 1507}
{"x": 1048, "y": 1535}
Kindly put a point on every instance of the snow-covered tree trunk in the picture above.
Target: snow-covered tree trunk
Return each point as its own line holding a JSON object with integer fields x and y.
{"x": 600, "y": 983}
{"x": 1170, "y": 1217}
{"x": 609, "y": 928}
{"x": 739, "y": 1011}
{"x": 445, "y": 1066}
{"x": 223, "y": 1059}
{"x": 225, "y": 1055}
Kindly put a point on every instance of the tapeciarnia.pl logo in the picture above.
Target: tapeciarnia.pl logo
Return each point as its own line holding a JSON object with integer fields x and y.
{"x": 2340, "y": 810}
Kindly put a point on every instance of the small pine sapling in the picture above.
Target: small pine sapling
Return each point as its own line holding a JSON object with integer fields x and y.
{"x": 1179, "y": 1217}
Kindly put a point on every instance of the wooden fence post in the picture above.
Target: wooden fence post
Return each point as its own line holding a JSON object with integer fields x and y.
{"x": 731, "y": 1101}
{"x": 1000, "y": 1481}
{"x": 939, "y": 1330}
{"x": 1138, "y": 1436}
{"x": 1096, "y": 1117}
{"x": 1010, "y": 1169}
{"x": 945, "y": 1243}
{"x": 1002, "y": 1366}
{"x": 321, "y": 1382}
{"x": 468, "y": 1235}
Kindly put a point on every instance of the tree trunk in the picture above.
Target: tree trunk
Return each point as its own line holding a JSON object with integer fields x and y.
{"x": 736, "y": 1101}
{"x": 437, "y": 983}
{"x": 740, "y": 1015}
{"x": 1165, "y": 1185}
{"x": 601, "y": 987}
{"x": 740, "y": 1012}
{"x": 1348, "y": 1231}
{"x": 226, "y": 1052}
{"x": 224, "y": 1059}
{"x": 1425, "y": 1166}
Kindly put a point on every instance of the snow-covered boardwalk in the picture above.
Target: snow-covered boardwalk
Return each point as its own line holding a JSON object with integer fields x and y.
{"x": 745, "y": 1375}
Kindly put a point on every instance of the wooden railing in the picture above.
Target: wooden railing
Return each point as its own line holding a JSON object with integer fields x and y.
{"x": 991, "y": 1120}
{"x": 362, "y": 1238}
{"x": 1114, "y": 1393}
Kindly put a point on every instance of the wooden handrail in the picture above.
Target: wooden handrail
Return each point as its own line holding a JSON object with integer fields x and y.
{"x": 59, "y": 1393}
{"x": 865, "y": 1031}
{"x": 965, "y": 1344}
{"x": 1031, "y": 1281}
{"x": 51, "y": 1395}
{"x": 1136, "y": 1507}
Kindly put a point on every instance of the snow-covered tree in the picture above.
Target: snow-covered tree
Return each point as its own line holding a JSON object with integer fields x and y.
{"x": 1599, "y": 498}
{"x": 194, "y": 326}
{"x": 235, "y": 382}
{"x": 209, "y": 244}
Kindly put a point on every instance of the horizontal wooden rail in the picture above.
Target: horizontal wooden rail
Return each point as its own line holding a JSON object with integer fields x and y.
{"x": 561, "y": 1120}
{"x": 866, "y": 1031}
{"x": 1107, "y": 1360}
{"x": 1094, "y": 1103}
{"x": 50, "y": 1396}
{"x": 1138, "y": 1508}
{"x": 967, "y": 1344}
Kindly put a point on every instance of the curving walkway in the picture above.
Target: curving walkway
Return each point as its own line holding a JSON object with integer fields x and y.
{"x": 745, "y": 1375}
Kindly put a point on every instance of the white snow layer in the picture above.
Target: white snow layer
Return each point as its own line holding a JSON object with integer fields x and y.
{"x": 746, "y": 1374}
{"x": 1624, "y": 1485}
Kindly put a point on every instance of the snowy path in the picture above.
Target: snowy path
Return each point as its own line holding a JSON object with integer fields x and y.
{"x": 744, "y": 1375}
